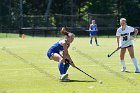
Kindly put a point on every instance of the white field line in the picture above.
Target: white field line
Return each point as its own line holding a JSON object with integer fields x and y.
{"x": 8, "y": 69}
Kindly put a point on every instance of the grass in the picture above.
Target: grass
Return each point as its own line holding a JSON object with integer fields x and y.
{"x": 33, "y": 72}
{"x": 9, "y": 35}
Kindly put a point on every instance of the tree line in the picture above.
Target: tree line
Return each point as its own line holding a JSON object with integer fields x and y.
{"x": 129, "y": 9}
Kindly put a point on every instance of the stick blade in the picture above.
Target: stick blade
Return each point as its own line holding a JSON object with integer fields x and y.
{"x": 108, "y": 55}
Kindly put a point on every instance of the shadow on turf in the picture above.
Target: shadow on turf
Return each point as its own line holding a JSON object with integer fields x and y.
{"x": 129, "y": 72}
{"x": 79, "y": 81}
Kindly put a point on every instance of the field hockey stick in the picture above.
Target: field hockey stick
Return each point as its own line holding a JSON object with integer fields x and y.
{"x": 85, "y": 73}
{"x": 67, "y": 61}
{"x": 109, "y": 55}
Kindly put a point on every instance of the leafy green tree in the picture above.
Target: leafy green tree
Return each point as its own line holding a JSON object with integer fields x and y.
{"x": 130, "y": 9}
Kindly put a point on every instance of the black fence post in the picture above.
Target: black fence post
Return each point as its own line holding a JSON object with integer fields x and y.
{"x": 20, "y": 32}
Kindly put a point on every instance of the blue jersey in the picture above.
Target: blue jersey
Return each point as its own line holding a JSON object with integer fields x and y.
{"x": 93, "y": 27}
{"x": 55, "y": 48}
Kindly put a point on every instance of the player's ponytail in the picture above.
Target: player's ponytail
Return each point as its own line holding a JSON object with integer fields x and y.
{"x": 64, "y": 32}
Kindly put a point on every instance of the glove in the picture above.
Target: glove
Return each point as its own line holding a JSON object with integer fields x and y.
{"x": 132, "y": 37}
{"x": 67, "y": 61}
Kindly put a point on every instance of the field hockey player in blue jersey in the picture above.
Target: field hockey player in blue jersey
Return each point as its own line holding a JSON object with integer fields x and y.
{"x": 54, "y": 54}
{"x": 93, "y": 32}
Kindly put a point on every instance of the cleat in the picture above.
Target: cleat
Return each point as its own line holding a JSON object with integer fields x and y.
{"x": 97, "y": 44}
{"x": 62, "y": 77}
{"x": 66, "y": 79}
{"x": 123, "y": 69}
{"x": 137, "y": 71}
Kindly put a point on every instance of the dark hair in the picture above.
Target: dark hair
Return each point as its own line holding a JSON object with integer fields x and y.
{"x": 64, "y": 32}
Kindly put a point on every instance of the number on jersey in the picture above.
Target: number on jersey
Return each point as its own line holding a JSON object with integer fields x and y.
{"x": 125, "y": 38}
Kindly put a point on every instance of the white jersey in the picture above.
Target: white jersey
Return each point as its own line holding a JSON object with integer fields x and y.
{"x": 125, "y": 36}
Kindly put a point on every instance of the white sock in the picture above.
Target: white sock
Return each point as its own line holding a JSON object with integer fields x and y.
{"x": 123, "y": 63}
{"x": 135, "y": 63}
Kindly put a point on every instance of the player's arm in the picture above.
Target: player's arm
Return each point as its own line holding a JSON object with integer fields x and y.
{"x": 118, "y": 41}
{"x": 135, "y": 32}
{"x": 70, "y": 61}
{"x": 118, "y": 38}
{"x": 96, "y": 27}
{"x": 66, "y": 54}
{"x": 90, "y": 27}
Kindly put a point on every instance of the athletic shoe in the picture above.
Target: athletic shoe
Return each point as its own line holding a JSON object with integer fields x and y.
{"x": 137, "y": 71}
{"x": 97, "y": 44}
{"x": 62, "y": 77}
{"x": 90, "y": 44}
{"x": 66, "y": 79}
{"x": 123, "y": 69}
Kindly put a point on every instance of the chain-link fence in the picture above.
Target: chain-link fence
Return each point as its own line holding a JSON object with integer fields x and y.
{"x": 36, "y": 25}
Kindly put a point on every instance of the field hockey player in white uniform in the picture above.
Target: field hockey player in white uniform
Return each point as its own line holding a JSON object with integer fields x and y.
{"x": 124, "y": 41}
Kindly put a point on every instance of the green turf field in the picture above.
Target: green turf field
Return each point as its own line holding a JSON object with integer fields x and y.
{"x": 8, "y": 35}
{"x": 25, "y": 68}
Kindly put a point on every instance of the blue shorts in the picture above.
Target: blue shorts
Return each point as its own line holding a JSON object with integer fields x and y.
{"x": 50, "y": 53}
{"x": 93, "y": 33}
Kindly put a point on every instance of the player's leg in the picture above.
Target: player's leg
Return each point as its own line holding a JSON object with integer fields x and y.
{"x": 57, "y": 57}
{"x": 134, "y": 60}
{"x": 122, "y": 54}
{"x": 96, "y": 41}
{"x": 91, "y": 40}
{"x": 66, "y": 66}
